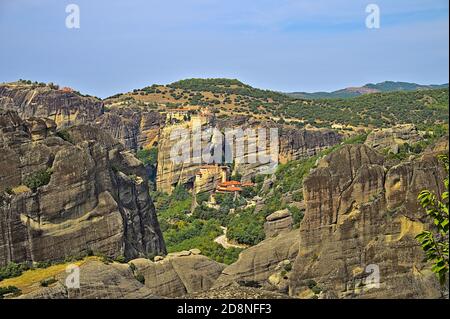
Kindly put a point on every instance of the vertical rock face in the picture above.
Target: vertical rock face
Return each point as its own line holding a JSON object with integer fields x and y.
{"x": 292, "y": 144}
{"x": 301, "y": 143}
{"x": 64, "y": 108}
{"x": 97, "y": 281}
{"x": 95, "y": 199}
{"x": 278, "y": 222}
{"x": 394, "y": 137}
{"x": 361, "y": 219}
{"x": 257, "y": 263}
{"x": 171, "y": 171}
{"x": 178, "y": 275}
{"x": 133, "y": 128}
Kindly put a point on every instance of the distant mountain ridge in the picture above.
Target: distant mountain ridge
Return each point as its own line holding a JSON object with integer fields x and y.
{"x": 386, "y": 86}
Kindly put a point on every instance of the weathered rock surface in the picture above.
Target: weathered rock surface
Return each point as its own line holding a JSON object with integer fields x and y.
{"x": 235, "y": 291}
{"x": 362, "y": 217}
{"x": 135, "y": 129}
{"x": 257, "y": 263}
{"x": 394, "y": 137}
{"x": 172, "y": 169}
{"x": 302, "y": 143}
{"x": 179, "y": 274}
{"x": 64, "y": 108}
{"x": 96, "y": 199}
{"x": 278, "y": 222}
{"x": 97, "y": 281}
{"x": 292, "y": 144}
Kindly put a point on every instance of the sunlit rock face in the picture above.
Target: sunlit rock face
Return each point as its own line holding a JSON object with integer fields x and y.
{"x": 135, "y": 129}
{"x": 246, "y": 146}
{"x": 63, "y": 107}
{"x": 391, "y": 139}
{"x": 96, "y": 198}
{"x": 361, "y": 219}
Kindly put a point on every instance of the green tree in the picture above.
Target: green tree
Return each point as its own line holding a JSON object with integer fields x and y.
{"x": 435, "y": 245}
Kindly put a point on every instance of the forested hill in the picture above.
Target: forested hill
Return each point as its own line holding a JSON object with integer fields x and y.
{"x": 387, "y": 86}
{"x": 228, "y": 97}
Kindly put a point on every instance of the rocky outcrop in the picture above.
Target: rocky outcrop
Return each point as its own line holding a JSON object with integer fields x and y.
{"x": 292, "y": 144}
{"x": 90, "y": 194}
{"x": 179, "y": 274}
{"x": 172, "y": 168}
{"x": 394, "y": 137}
{"x": 235, "y": 291}
{"x": 257, "y": 263}
{"x": 63, "y": 107}
{"x": 278, "y": 222}
{"x": 302, "y": 143}
{"x": 97, "y": 281}
{"x": 135, "y": 129}
{"x": 357, "y": 235}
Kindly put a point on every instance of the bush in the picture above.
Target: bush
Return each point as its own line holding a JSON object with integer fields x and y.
{"x": 65, "y": 135}
{"x": 201, "y": 198}
{"x": 13, "y": 270}
{"x": 10, "y": 289}
{"x": 38, "y": 179}
{"x": 148, "y": 156}
{"x": 47, "y": 282}
{"x": 120, "y": 259}
{"x": 246, "y": 228}
{"x": 297, "y": 215}
{"x": 140, "y": 278}
{"x": 311, "y": 283}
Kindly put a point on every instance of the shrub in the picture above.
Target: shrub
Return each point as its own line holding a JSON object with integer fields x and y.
{"x": 311, "y": 283}
{"x": 297, "y": 215}
{"x": 47, "y": 282}
{"x": 201, "y": 198}
{"x": 140, "y": 278}
{"x": 65, "y": 135}
{"x": 13, "y": 270}
{"x": 9, "y": 289}
{"x": 316, "y": 290}
{"x": 246, "y": 228}
{"x": 120, "y": 259}
{"x": 38, "y": 179}
{"x": 148, "y": 156}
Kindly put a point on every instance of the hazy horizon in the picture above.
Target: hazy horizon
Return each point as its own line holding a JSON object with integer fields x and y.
{"x": 286, "y": 46}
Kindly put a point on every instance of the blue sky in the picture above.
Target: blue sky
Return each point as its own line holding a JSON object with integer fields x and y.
{"x": 285, "y": 45}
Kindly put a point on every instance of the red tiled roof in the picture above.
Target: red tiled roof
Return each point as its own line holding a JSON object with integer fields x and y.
{"x": 229, "y": 189}
{"x": 230, "y": 183}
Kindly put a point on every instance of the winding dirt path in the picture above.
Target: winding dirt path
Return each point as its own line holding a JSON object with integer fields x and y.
{"x": 223, "y": 240}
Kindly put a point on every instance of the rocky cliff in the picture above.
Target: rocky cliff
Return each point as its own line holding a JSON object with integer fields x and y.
{"x": 134, "y": 128}
{"x": 66, "y": 196}
{"x": 63, "y": 107}
{"x": 179, "y": 274}
{"x": 357, "y": 236}
{"x": 292, "y": 144}
{"x": 392, "y": 138}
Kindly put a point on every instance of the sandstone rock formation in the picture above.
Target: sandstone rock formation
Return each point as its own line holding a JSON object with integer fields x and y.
{"x": 64, "y": 108}
{"x": 292, "y": 144}
{"x": 96, "y": 197}
{"x": 179, "y": 274}
{"x": 360, "y": 222}
{"x": 257, "y": 263}
{"x": 394, "y": 137}
{"x": 134, "y": 128}
{"x": 278, "y": 222}
{"x": 97, "y": 281}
